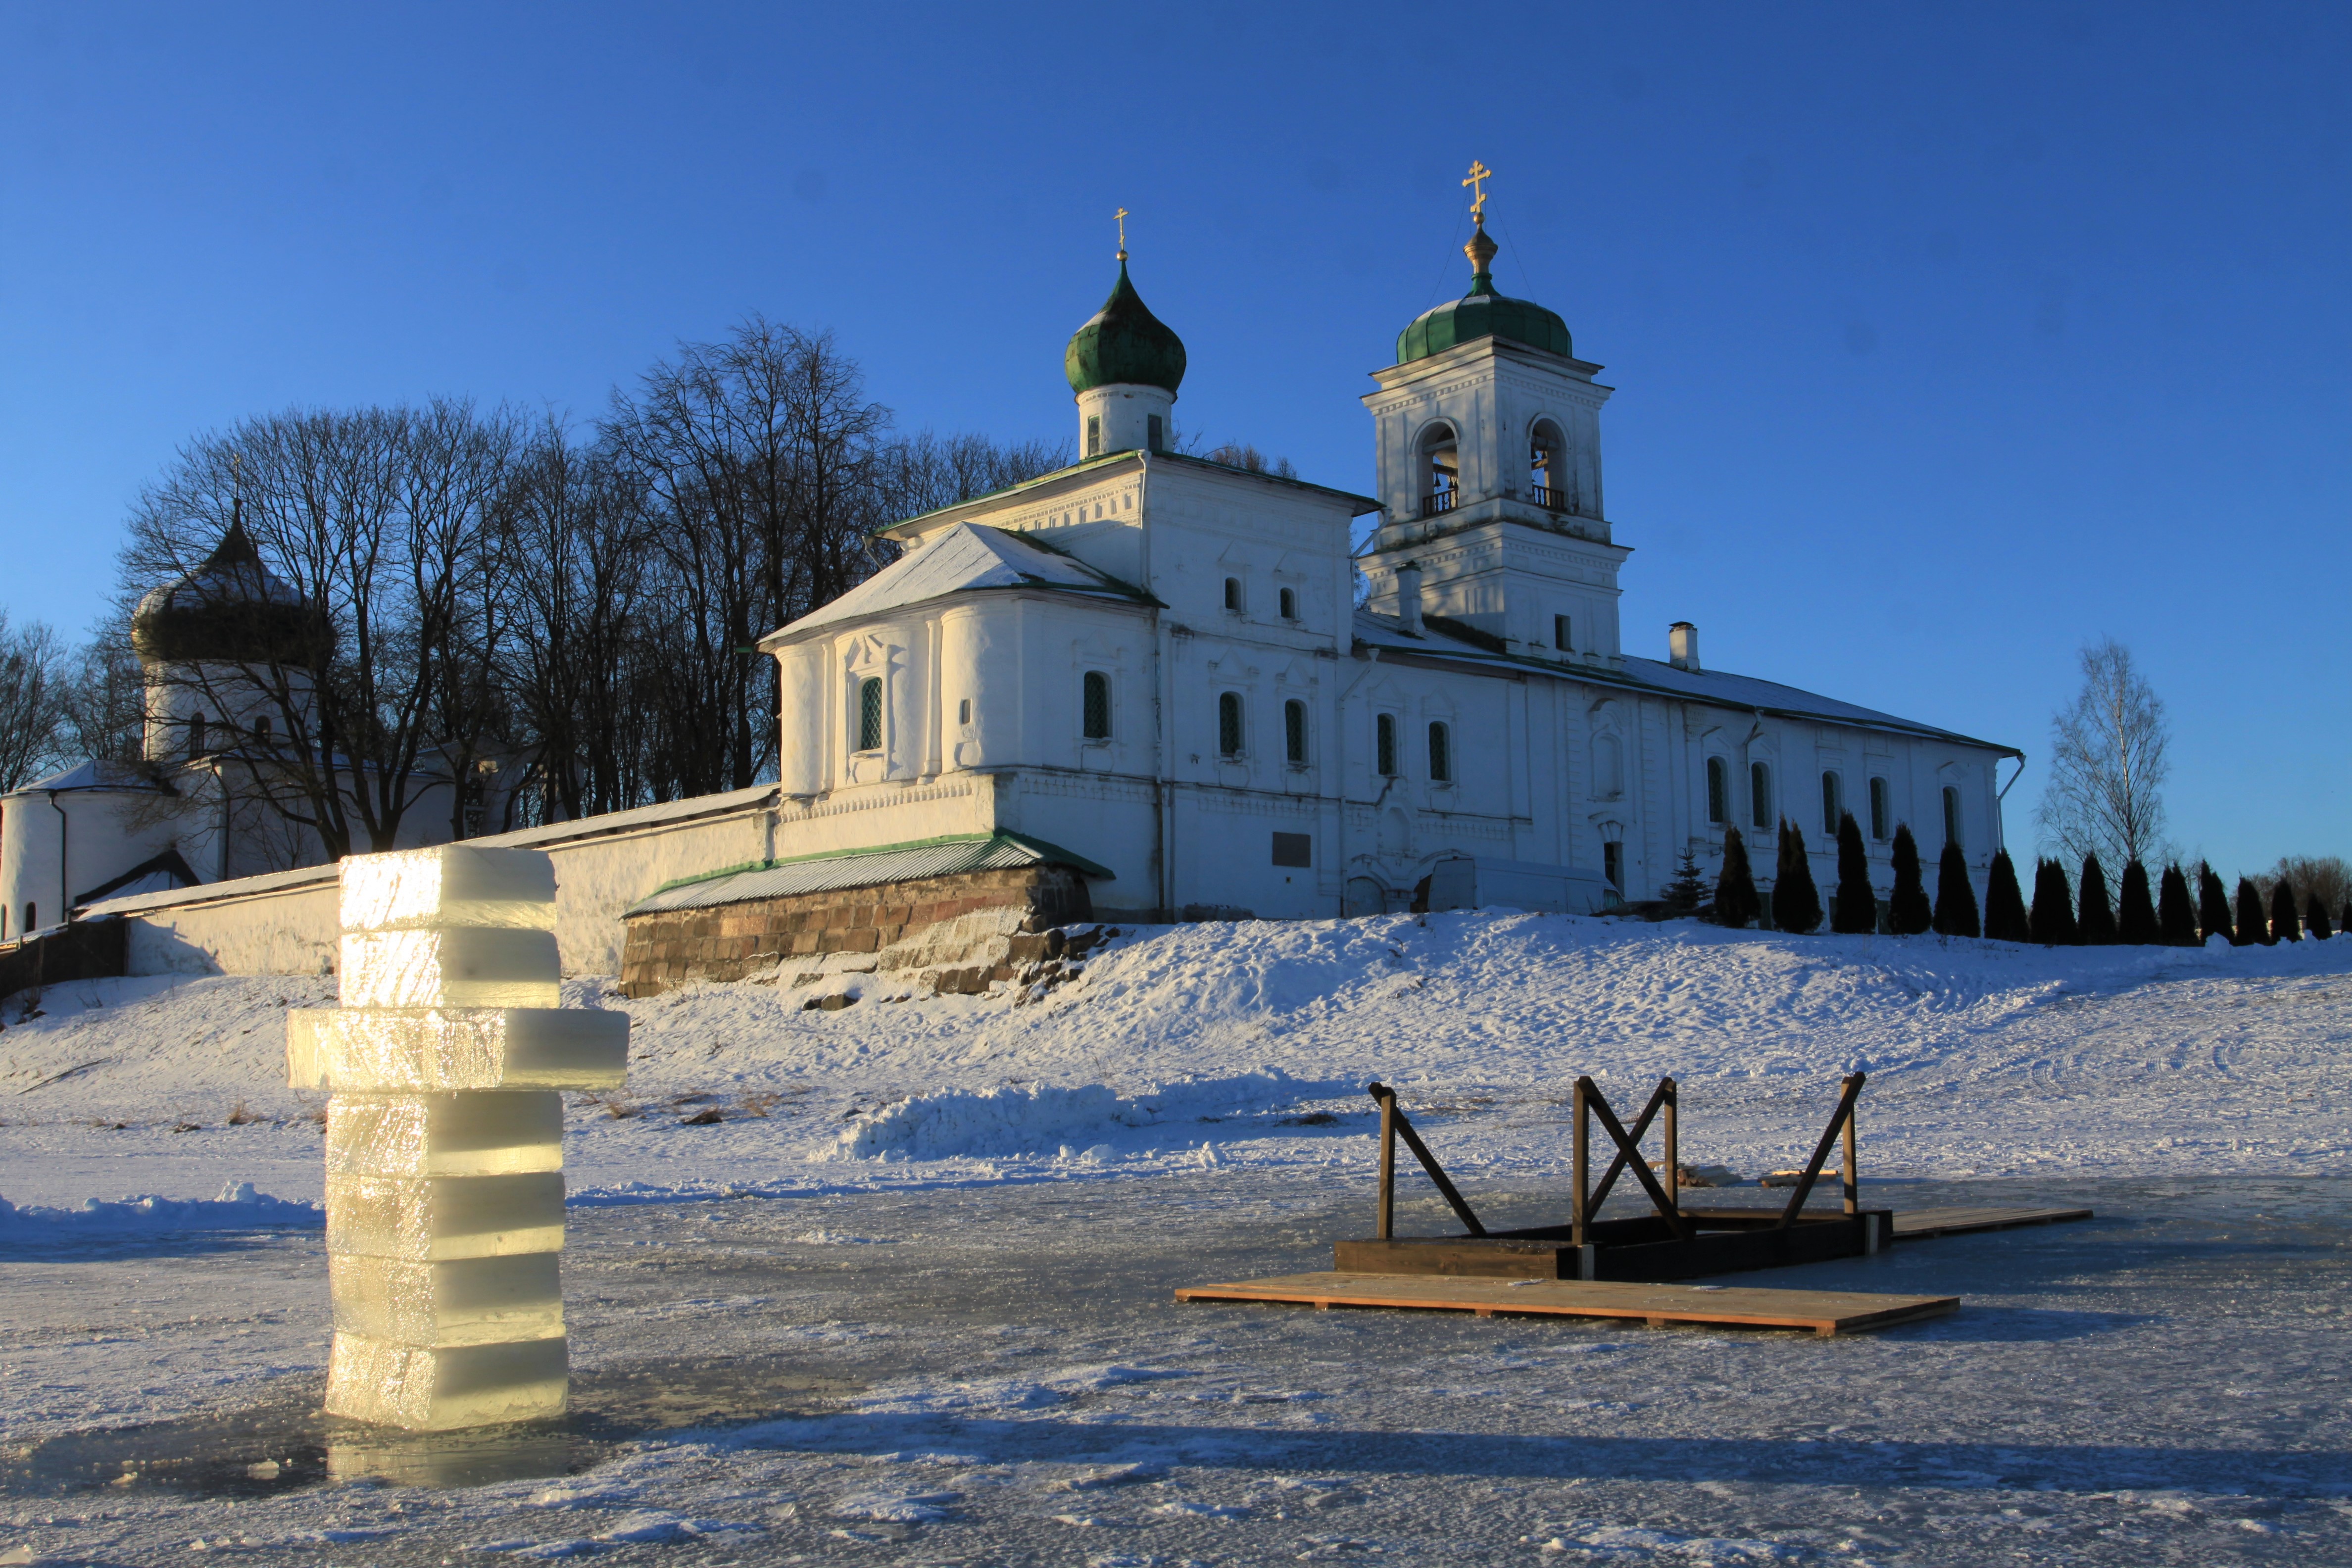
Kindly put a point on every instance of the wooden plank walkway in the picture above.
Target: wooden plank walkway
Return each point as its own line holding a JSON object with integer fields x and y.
{"x": 1824, "y": 1313}
{"x": 1917, "y": 1224}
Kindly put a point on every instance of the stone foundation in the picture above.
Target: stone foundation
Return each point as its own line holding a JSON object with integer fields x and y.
{"x": 961, "y": 932}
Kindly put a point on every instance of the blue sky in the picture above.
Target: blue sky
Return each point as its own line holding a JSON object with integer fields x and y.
{"x": 1946, "y": 338}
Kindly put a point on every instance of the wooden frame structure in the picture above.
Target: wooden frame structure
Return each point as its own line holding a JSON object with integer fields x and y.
{"x": 1671, "y": 1242}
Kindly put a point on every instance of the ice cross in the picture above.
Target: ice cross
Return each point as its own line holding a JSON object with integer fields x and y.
{"x": 1479, "y": 174}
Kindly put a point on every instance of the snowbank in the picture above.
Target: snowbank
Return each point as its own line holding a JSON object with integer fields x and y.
{"x": 1029, "y": 1120}
{"x": 238, "y": 1207}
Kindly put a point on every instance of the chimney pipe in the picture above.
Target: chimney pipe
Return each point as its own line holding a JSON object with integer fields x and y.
{"x": 1682, "y": 646}
{"x": 1409, "y": 598}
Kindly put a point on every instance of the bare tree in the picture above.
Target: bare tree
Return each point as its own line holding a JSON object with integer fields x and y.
{"x": 2327, "y": 877}
{"x": 36, "y": 687}
{"x": 2107, "y": 764}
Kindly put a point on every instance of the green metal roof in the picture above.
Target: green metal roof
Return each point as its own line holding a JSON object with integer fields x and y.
{"x": 1125, "y": 344}
{"x": 1483, "y": 314}
{"x": 871, "y": 867}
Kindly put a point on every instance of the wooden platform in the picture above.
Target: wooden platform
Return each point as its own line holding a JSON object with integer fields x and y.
{"x": 1917, "y": 1224}
{"x": 1824, "y": 1313}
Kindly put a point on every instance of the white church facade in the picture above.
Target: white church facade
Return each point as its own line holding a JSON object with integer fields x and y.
{"x": 1160, "y": 664}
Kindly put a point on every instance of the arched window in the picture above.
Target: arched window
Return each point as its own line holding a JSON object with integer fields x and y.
{"x": 1441, "y": 754}
{"x": 1290, "y": 604}
{"x": 1951, "y": 814}
{"x": 1384, "y": 746}
{"x": 1440, "y": 469}
{"x": 1608, "y": 767}
{"x": 1229, "y": 724}
{"x": 869, "y": 714}
{"x": 963, "y": 711}
{"x": 196, "y": 736}
{"x": 1294, "y": 731}
{"x": 1548, "y": 469}
{"x": 1098, "y": 705}
{"x": 1233, "y": 595}
{"x": 1719, "y": 791}
{"x": 1094, "y": 436}
{"x": 1760, "y": 794}
{"x": 1832, "y": 802}
{"x": 1879, "y": 826}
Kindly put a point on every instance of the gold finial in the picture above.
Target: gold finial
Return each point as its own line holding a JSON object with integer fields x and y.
{"x": 1121, "y": 215}
{"x": 1479, "y": 174}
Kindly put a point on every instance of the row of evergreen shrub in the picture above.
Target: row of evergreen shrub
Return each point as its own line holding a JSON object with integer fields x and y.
{"x": 2060, "y": 915}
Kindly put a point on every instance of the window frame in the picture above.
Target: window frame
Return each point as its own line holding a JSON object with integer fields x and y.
{"x": 1833, "y": 800}
{"x": 1155, "y": 432}
{"x": 1094, "y": 435}
{"x": 1089, "y": 682}
{"x": 1952, "y": 816}
{"x": 1760, "y": 794}
{"x": 1297, "y": 733}
{"x": 1235, "y": 602}
{"x": 1441, "y": 751}
{"x": 870, "y": 717}
{"x": 1385, "y": 762}
{"x": 1882, "y": 813}
{"x": 1233, "y": 726}
{"x": 1563, "y": 633}
{"x": 1718, "y": 793}
{"x": 1286, "y": 602}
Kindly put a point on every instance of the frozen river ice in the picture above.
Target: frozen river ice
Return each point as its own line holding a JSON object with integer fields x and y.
{"x": 998, "y": 1375}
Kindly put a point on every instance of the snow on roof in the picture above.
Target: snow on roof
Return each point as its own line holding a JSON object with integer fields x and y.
{"x": 863, "y": 868}
{"x": 966, "y": 557}
{"x": 1384, "y": 632}
{"x": 92, "y": 774}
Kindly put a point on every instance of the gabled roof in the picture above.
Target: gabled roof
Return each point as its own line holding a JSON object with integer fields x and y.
{"x": 966, "y": 558}
{"x": 1466, "y": 646}
{"x": 1360, "y": 505}
{"x": 947, "y": 857}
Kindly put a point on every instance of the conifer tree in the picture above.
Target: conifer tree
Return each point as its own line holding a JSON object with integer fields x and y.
{"x": 2212, "y": 906}
{"x": 1956, "y": 902}
{"x": 2344, "y": 921}
{"x": 2005, "y": 903}
{"x": 1682, "y": 896}
{"x": 1854, "y": 908}
{"x": 2286, "y": 925}
{"x": 1907, "y": 911}
{"x": 2175, "y": 916}
{"x": 1796, "y": 898}
{"x": 2252, "y": 927}
{"x": 2097, "y": 918}
{"x": 2314, "y": 915}
{"x": 1735, "y": 903}
{"x": 2052, "y": 920}
{"x": 2136, "y": 920}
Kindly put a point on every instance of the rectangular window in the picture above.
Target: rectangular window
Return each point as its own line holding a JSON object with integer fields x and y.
{"x": 1157, "y": 432}
{"x": 1760, "y": 794}
{"x": 1229, "y": 724}
{"x": 869, "y": 714}
{"x": 1560, "y": 638}
{"x": 1384, "y": 744}
{"x": 963, "y": 711}
{"x": 1094, "y": 436}
{"x": 1832, "y": 802}
{"x": 1612, "y": 865}
{"x": 1879, "y": 829}
{"x": 1295, "y": 850}
{"x": 1951, "y": 814}
{"x": 1294, "y": 734}
{"x": 1098, "y": 705}
{"x": 1718, "y": 790}
{"x": 1441, "y": 754}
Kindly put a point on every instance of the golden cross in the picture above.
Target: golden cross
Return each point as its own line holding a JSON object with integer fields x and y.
{"x": 1479, "y": 173}
{"x": 1122, "y": 214}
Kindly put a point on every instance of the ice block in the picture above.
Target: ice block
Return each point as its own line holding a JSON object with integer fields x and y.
{"x": 476, "y": 1301}
{"x": 453, "y": 885}
{"x": 371, "y": 1050}
{"x": 460, "y": 967}
{"x": 424, "y": 1135}
{"x": 439, "y": 1219}
{"x": 435, "y": 1388}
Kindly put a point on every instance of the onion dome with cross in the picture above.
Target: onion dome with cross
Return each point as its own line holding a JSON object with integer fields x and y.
{"x": 1481, "y": 312}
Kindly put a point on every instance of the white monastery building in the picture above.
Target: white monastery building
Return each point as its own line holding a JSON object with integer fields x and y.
{"x": 1149, "y": 686}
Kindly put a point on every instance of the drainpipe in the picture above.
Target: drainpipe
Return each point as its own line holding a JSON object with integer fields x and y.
{"x": 1999, "y": 831}
{"x": 65, "y": 883}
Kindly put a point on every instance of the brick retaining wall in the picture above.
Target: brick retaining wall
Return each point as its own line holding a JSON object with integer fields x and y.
{"x": 735, "y": 941}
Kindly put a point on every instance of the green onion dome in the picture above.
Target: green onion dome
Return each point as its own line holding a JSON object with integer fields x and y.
{"x": 1483, "y": 314}
{"x": 229, "y": 610}
{"x": 1125, "y": 344}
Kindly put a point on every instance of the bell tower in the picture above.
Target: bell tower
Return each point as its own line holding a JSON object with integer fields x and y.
{"x": 1489, "y": 433}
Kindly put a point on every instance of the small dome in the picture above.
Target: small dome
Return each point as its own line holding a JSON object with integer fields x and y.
{"x": 1124, "y": 344}
{"x": 1483, "y": 314}
{"x": 229, "y": 610}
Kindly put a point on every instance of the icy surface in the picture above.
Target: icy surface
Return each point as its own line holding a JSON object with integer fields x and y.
{"x": 915, "y": 1257}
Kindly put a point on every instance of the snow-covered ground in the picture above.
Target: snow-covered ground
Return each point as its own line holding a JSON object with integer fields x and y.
{"x": 944, "y": 1231}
